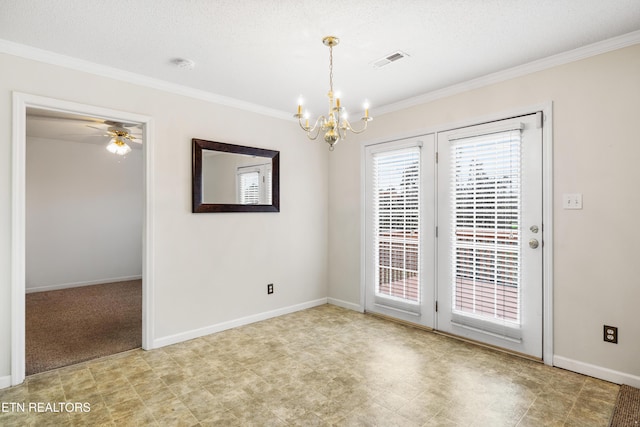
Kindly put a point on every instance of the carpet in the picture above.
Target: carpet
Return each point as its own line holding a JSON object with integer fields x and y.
{"x": 69, "y": 326}
{"x": 627, "y": 409}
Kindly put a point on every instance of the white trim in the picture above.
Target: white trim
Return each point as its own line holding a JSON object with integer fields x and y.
{"x": 345, "y": 304}
{"x": 148, "y": 278}
{"x": 230, "y": 324}
{"x": 547, "y": 233}
{"x": 583, "y": 52}
{"x": 596, "y": 371}
{"x": 81, "y": 284}
{"x": 562, "y": 58}
{"x": 5, "y": 382}
{"x": 18, "y": 238}
{"x": 53, "y": 58}
{"x": 21, "y": 101}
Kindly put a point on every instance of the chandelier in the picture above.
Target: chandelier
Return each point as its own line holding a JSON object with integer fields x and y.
{"x": 335, "y": 125}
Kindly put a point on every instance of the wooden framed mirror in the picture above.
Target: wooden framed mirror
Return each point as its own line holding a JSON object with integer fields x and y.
{"x": 234, "y": 178}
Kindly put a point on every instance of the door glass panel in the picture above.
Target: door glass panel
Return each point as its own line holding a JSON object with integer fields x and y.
{"x": 396, "y": 199}
{"x": 485, "y": 233}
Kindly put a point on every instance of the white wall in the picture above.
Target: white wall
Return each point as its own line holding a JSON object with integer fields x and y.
{"x": 596, "y": 150}
{"x": 199, "y": 260}
{"x": 83, "y": 214}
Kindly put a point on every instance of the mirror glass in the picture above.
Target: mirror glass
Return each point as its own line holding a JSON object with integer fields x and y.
{"x": 234, "y": 178}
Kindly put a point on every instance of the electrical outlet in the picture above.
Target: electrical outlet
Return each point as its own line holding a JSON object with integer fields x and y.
{"x": 270, "y": 288}
{"x": 611, "y": 334}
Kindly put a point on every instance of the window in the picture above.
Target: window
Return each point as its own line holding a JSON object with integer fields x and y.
{"x": 396, "y": 221}
{"x": 254, "y": 184}
{"x": 485, "y": 233}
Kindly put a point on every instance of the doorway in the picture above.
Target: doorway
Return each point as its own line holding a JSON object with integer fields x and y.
{"x": 461, "y": 251}
{"x": 21, "y": 103}
{"x": 83, "y": 234}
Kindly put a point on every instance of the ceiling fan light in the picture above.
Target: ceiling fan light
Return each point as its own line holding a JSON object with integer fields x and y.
{"x": 118, "y": 146}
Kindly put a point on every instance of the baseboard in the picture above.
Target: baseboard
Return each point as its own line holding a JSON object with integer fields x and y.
{"x": 345, "y": 304}
{"x": 79, "y": 284}
{"x": 5, "y": 382}
{"x": 596, "y": 371}
{"x": 219, "y": 327}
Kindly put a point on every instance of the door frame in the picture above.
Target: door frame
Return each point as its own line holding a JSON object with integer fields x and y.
{"x": 547, "y": 205}
{"x": 22, "y": 101}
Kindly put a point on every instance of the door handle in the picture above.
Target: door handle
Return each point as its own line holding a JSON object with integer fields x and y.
{"x": 533, "y": 243}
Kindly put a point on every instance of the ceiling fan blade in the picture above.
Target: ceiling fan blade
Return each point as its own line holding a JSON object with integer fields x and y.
{"x": 63, "y": 116}
{"x": 85, "y": 135}
{"x": 121, "y": 124}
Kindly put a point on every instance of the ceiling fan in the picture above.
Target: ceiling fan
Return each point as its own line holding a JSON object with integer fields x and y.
{"x": 57, "y": 125}
{"x": 119, "y": 134}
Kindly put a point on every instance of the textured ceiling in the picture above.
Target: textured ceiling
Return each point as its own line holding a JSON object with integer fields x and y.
{"x": 268, "y": 53}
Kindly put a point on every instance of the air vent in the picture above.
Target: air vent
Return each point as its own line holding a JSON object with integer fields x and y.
{"x": 388, "y": 59}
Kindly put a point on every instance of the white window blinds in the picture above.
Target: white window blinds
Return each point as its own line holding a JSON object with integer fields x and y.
{"x": 249, "y": 188}
{"x": 486, "y": 237}
{"x": 255, "y": 184}
{"x": 396, "y": 210}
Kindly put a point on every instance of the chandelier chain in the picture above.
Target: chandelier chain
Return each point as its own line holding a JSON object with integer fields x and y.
{"x": 331, "y": 69}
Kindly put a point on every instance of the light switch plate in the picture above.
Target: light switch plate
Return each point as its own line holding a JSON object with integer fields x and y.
{"x": 572, "y": 201}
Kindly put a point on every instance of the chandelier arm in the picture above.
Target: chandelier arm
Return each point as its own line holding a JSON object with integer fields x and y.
{"x": 366, "y": 122}
{"x": 315, "y": 128}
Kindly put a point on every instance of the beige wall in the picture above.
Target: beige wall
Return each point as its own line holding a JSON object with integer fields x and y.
{"x": 200, "y": 260}
{"x": 83, "y": 214}
{"x": 596, "y": 105}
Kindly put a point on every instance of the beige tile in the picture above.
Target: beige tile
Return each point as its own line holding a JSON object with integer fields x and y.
{"x": 114, "y": 397}
{"x": 222, "y": 419}
{"x": 126, "y": 408}
{"x": 173, "y": 413}
{"x": 202, "y": 404}
{"x": 319, "y": 367}
{"x": 14, "y": 419}
{"x": 372, "y": 414}
{"x": 98, "y": 415}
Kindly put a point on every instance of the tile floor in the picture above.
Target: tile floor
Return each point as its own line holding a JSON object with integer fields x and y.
{"x": 319, "y": 367}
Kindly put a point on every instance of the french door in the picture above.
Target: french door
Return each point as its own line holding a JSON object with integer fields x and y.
{"x": 490, "y": 227}
{"x": 400, "y": 233}
{"x": 454, "y": 232}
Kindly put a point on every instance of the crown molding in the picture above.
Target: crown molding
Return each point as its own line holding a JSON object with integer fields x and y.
{"x": 584, "y": 52}
{"x": 41, "y": 55}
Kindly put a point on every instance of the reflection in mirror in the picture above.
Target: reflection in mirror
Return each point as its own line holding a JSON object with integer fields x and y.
{"x": 234, "y": 178}
{"x": 230, "y": 178}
